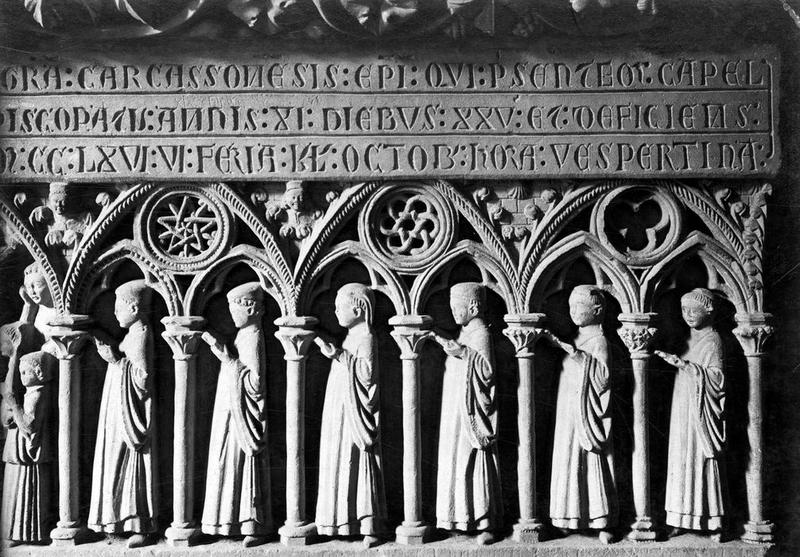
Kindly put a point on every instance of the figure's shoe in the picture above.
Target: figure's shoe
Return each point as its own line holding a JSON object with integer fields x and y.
{"x": 485, "y": 538}
{"x": 252, "y": 541}
{"x": 605, "y": 537}
{"x": 718, "y": 536}
{"x": 676, "y": 532}
{"x": 139, "y": 540}
{"x": 370, "y": 541}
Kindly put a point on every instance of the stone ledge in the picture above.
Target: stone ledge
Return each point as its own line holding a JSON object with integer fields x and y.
{"x": 574, "y": 546}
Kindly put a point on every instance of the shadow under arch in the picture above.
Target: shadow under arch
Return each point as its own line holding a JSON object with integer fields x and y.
{"x": 493, "y": 275}
{"x": 383, "y": 279}
{"x": 198, "y": 294}
{"x": 719, "y": 263}
{"x": 159, "y": 281}
{"x": 584, "y": 245}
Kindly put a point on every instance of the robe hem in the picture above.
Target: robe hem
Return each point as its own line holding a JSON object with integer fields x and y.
{"x": 694, "y": 522}
{"x": 135, "y": 525}
{"x": 468, "y": 526}
{"x": 365, "y": 527}
{"x": 598, "y": 523}
{"x": 249, "y": 528}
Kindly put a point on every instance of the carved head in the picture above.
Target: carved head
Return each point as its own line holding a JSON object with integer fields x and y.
{"x": 467, "y": 300}
{"x": 294, "y": 198}
{"x": 354, "y": 304}
{"x": 133, "y": 301}
{"x": 57, "y": 198}
{"x": 246, "y": 304}
{"x": 697, "y": 307}
{"x": 587, "y": 305}
{"x": 36, "y": 285}
{"x": 36, "y": 368}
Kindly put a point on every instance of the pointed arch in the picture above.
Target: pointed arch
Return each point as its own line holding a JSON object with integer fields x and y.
{"x": 494, "y": 275}
{"x": 718, "y": 260}
{"x": 209, "y": 282}
{"x": 582, "y": 244}
{"x": 391, "y": 285}
{"x": 160, "y": 281}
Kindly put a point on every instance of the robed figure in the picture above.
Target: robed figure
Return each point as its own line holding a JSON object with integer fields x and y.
{"x": 468, "y": 496}
{"x": 695, "y": 497}
{"x": 351, "y": 498}
{"x": 582, "y": 490}
{"x": 29, "y": 454}
{"x": 237, "y": 500}
{"x": 123, "y": 476}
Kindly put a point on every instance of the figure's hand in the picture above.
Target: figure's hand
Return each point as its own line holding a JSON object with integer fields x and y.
{"x": 558, "y": 343}
{"x": 671, "y": 359}
{"x": 54, "y": 238}
{"x": 452, "y": 348}
{"x": 70, "y": 238}
{"x": 39, "y": 214}
{"x": 217, "y": 348}
{"x": 26, "y": 299}
{"x": 106, "y": 351}
{"x": 328, "y": 349}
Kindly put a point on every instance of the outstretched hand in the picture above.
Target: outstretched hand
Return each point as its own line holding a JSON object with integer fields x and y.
{"x": 558, "y": 343}
{"x": 217, "y": 348}
{"x": 671, "y": 359}
{"x": 328, "y": 349}
{"x": 106, "y": 351}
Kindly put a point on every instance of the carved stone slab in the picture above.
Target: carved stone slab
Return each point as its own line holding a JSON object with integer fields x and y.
{"x": 467, "y": 113}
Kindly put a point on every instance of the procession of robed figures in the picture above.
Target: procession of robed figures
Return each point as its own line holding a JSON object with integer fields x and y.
{"x": 351, "y": 499}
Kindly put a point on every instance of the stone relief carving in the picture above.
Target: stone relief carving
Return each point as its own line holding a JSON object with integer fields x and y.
{"x": 351, "y": 496}
{"x": 238, "y": 483}
{"x": 696, "y": 480}
{"x": 468, "y": 496}
{"x": 63, "y": 224}
{"x": 582, "y": 486}
{"x": 412, "y": 239}
{"x": 124, "y": 495}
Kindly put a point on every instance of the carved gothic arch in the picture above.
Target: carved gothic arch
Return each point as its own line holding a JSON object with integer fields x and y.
{"x": 624, "y": 285}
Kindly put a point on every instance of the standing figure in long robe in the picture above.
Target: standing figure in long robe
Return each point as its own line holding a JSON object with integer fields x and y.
{"x": 695, "y": 497}
{"x": 351, "y": 498}
{"x": 582, "y": 490}
{"x": 123, "y": 483}
{"x": 468, "y": 496}
{"x": 237, "y": 501}
{"x": 28, "y": 454}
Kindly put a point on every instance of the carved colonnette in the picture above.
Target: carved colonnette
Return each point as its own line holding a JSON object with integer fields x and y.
{"x": 188, "y": 240}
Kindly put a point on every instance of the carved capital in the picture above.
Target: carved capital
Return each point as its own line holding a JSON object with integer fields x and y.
{"x": 183, "y": 334}
{"x": 523, "y": 330}
{"x": 296, "y": 335}
{"x": 636, "y": 333}
{"x": 68, "y": 335}
{"x": 410, "y": 331}
{"x": 753, "y": 331}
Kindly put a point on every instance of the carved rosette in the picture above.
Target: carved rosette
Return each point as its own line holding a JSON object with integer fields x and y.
{"x": 753, "y": 332}
{"x": 185, "y": 228}
{"x": 640, "y": 225}
{"x": 408, "y": 227}
{"x": 636, "y": 333}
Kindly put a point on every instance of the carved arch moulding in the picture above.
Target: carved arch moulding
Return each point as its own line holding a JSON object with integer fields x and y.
{"x": 69, "y": 246}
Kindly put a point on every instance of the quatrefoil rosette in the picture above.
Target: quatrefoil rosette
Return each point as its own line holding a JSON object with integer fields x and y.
{"x": 639, "y": 225}
{"x": 184, "y": 228}
{"x": 408, "y": 227}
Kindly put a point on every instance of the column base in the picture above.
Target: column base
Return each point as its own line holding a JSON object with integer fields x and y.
{"x": 642, "y": 530}
{"x": 182, "y": 537}
{"x": 529, "y": 531}
{"x": 293, "y": 534}
{"x": 411, "y": 533}
{"x": 758, "y": 532}
{"x": 63, "y": 535}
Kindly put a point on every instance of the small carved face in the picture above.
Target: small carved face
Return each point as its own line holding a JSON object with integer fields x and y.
{"x": 464, "y": 310}
{"x": 126, "y": 312}
{"x": 583, "y": 312}
{"x": 36, "y": 287}
{"x": 30, "y": 374}
{"x": 347, "y": 313}
{"x": 294, "y": 200}
{"x": 243, "y": 315}
{"x": 58, "y": 203}
{"x": 695, "y": 315}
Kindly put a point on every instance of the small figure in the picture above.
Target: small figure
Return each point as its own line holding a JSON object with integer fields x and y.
{"x": 37, "y": 302}
{"x": 468, "y": 494}
{"x": 123, "y": 484}
{"x": 351, "y": 498}
{"x": 65, "y": 228}
{"x": 28, "y": 453}
{"x": 582, "y": 489}
{"x": 237, "y": 499}
{"x": 695, "y": 467}
{"x": 294, "y": 211}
